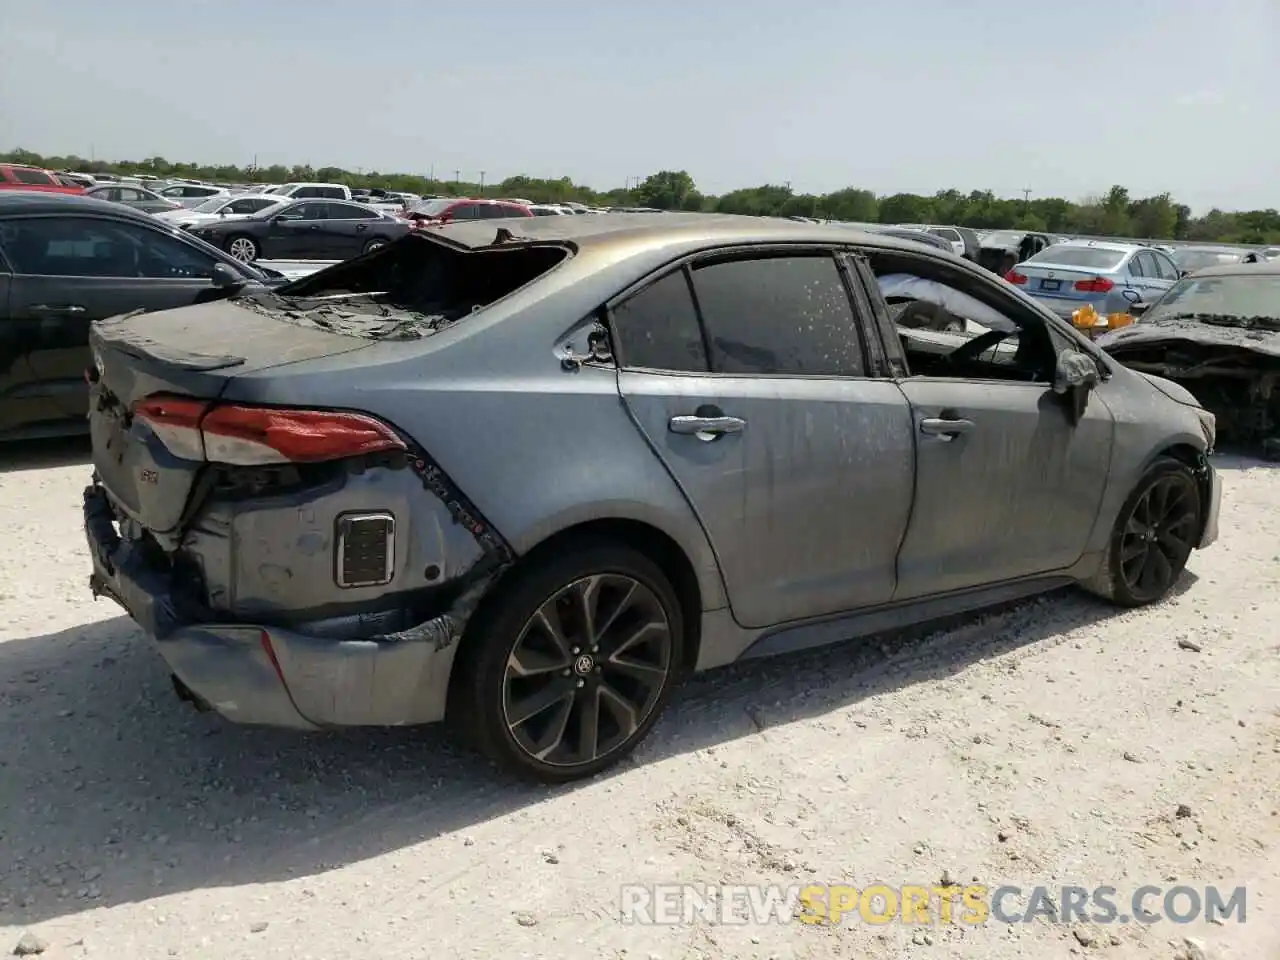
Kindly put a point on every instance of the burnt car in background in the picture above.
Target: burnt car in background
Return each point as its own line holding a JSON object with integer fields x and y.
{"x": 1217, "y": 333}
{"x": 1190, "y": 259}
{"x": 1002, "y": 250}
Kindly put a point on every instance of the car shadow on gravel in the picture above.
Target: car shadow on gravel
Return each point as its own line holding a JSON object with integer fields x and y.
{"x": 114, "y": 791}
{"x": 43, "y": 454}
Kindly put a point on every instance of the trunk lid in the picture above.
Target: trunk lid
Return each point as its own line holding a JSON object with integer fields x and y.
{"x": 194, "y": 351}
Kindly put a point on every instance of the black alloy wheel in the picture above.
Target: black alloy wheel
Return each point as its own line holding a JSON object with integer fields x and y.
{"x": 1154, "y": 535}
{"x": 570, "y": 663}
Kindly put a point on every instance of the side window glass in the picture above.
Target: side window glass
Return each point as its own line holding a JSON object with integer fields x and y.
{"x": 309, "y": 211}
{"x": 778, "y": 315}
{"x": 33, "y": 177}
{"x": 657, "y": 327}
{"x": 75, "y": 247}
{"x": 1165, "y": 267}
{"x": 161, "y": 257}
{"x": 464, "y": 211}
{"x": 1135, "y": 266}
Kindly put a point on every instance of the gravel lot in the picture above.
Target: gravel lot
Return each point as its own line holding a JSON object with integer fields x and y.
{"x": 1051, "y": 743}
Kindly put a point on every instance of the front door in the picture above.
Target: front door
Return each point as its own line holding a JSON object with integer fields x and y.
{"x": 798, "y": 466}
{"x": 1013, "y": 493}
{"x": 301, "y": 232}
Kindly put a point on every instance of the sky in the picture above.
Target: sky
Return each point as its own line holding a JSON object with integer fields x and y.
{"x": 1062, "y": 99}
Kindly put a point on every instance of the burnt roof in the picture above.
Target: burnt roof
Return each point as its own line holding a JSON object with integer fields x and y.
{"x": 649, "y": 229}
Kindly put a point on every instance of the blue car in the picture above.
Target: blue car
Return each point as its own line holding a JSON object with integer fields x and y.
{"x": 1109, "y": 276}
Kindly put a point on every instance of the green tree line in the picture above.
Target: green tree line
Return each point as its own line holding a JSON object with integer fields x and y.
{"x": 1114, "y": 214}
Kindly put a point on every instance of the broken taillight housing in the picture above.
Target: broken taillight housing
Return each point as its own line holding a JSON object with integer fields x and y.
{"x": 253, "y": 436}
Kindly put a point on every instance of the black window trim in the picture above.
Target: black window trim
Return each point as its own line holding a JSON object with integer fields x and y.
{"x": 732, "y": 252}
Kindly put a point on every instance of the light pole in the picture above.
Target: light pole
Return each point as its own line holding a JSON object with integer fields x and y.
{"x": 482, "y": 183}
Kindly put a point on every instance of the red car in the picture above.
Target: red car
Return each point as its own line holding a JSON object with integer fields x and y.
{"x": 453, "y": 209}
{"x": 17, "y": 177}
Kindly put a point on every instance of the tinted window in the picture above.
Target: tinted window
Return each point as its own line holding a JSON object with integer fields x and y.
{"x": 246, "y": 205}
{"x": 1164, "y": 267}
{"x": 658, "y": 327}
{"x": 172, "y": 191}
{"x": 1070, "y": 255}
{"x": 464, "y": 211}
{"x": 36, "y": 177}
{"x": 77, "y": 247}
{"x": 1149, "y": 268}
{"x": 1136, "y": 267}
{"x": 350, "y": 211}
{"x": 309, "y": 211}
{"x": 945, "y": 232}
{"x": 780, "y": 315}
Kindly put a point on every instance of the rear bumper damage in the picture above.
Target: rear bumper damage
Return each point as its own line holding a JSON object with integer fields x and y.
{"x": 324, "y": 675}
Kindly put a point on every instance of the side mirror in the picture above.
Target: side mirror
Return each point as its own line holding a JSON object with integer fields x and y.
{"x": 1138, "y": 308}
{"x": 1183, "y": 273}
{"x": 1074, "y": 378}
{"x": 223, "y": 276}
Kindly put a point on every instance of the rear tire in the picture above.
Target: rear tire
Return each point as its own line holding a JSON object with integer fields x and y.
{"x": 1153, "y": 537}
{"x": 590, "y": 637}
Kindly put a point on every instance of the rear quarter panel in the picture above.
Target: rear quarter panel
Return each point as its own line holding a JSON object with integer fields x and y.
{"x": 536, "y": 448}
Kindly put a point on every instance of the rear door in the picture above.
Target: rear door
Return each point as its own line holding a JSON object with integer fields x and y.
{"x": 1144, "y": 276}
{"x": 798, "y": 463}
{"x": 69, "y": 271}
{"x": 1006, "y": 486}
{"x": 347, "y": 229}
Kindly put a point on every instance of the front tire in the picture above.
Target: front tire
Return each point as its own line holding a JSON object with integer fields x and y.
{"x": 243, "y": 248}
{"x": 1154, "y": 535}
{"x": 567, "y": 666}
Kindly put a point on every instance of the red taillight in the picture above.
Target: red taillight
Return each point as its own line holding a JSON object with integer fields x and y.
{"x": 1096, "y": 285}
{"x": 249, "y": 436}
{"x": 176, "y": 421}
{"x": 1013, "y": 276}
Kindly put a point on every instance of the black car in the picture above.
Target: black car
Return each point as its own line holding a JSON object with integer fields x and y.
{"x": 66, "y": 261}
{"x": 305, "y": 230}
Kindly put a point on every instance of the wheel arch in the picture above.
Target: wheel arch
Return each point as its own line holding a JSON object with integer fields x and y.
{"x": 652, "y": 542}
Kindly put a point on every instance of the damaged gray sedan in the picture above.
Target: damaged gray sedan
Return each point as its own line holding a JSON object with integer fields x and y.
{"x": 525, "y": 476}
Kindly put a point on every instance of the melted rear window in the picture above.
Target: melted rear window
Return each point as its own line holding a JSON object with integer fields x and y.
{"x": 408, "y": 289}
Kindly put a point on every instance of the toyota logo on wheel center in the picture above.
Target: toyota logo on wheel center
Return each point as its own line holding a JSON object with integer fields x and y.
{"x": 583, "y": 665}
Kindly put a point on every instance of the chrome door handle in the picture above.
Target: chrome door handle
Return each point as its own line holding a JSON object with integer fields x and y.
{"x": 707, "y": 428}
{"x": 57, "y": 308}
{"x": 938, "y": 427}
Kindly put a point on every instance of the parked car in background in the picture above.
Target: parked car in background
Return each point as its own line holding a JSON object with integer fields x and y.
{"x": 1109, "y": 277}
{"x": 191, "y": 195}
{"x": 1001, "y": 249}
{"x": 1190, "y": 259}
{"x": 547, "y": 210}
{"x": 32, "y": 179}
{"x": 68, "y": 261}
{"x": 964, "y": 242}
{"x": 222, "y": 207}
{"x": 1216, "y": 332}
{"x": 453, "y": 209}
{"x": 136, "y": 198}
{"x": 312, "y": 191}
{"x": 306, "y": 229}
{"x": 449, "y": 555}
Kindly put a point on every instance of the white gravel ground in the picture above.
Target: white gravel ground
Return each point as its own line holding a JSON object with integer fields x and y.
{"x": 1050, "y": 744}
